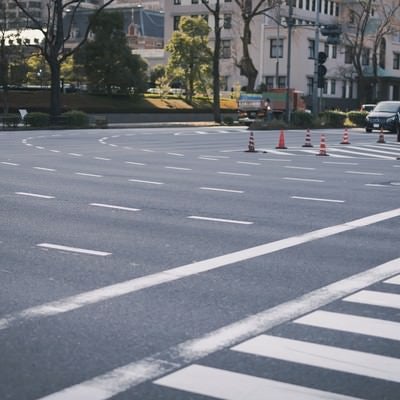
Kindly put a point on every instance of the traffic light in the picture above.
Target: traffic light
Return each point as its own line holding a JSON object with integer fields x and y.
{"x": 332, "y": 32}
{"x": 321, "y": 69}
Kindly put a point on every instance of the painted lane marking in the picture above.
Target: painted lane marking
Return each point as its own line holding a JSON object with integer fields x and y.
{"x": 73, "y": 249}
{"x": 375, "y": 185}
{"x": 179, "y": 168}
{"x": 55, "y": 151}
{"x": 208, "y": 158}
{"x": 42, "y": 196}
{"x": 176, "y": 154}
{"x": 113, "y": 145}
{"x": 332, "y": 155}
{"x": 10, "y": 163}
{"x": 322, "y": 356}
{"x": 352, "y": 323}
{"x": 303, "y": 179}
{"x": 149, "y": 182}
{"x": 134, "y": 163}
{"x": 374, "y": 150}
{"x": 302, "y": 168}
{"x": 148, "y": 151}
{"x": 221, "y": 190}
{"x": 247, "y": 163}
{"x": 114, "y": 207}
{"x": 131, "y": 286}
{"x": 231, "y": 221}
{"x": 364, "y": 173}
{"x": 284, "y": 153}
{"x": 75, "y": 154}
{"x": 340, "y": 163}
{"x": 317, "y": 199}
{"x": 363, "y": 154}
{"x": 275, "y": 159}
{"x": 375, "y": 298}
{"x": 39, "y": 147}
{"x": 102, "y": 158}
{"x": 130, "y": 375}
{"x": 45, "y": 169}
{"x": 86, "y": 174}
{"x": 228, "y": 385}
{"x": 232, "y": 173}
{"x": 394, "y": 281}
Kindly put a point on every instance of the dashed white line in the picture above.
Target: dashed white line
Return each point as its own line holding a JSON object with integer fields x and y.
{"x": 114, "y": 207}
{"x": 317, "y": 199}
{"x": 221, "y": 190}
{"x": 340, "y": 163}
{"x": 303, "y": 179}
{"x": 149, "y": 182}
{"x": 90, "y": 175}
{"x": 134, "y": 163}
{"x": 55, "y": 151}
{"x": 45, "y": 169}
{"x": 42, "y": 196}
{"x": 75, "y": 154}
{"x": 232, "y": 173}
{"x": 231, "y": 221}
{"x": 73, "y": 249}
{"x": 176, "y": 154}
{"x": 364, "y": 173}
{"x": 102, "y": 158}
{"x": 301, "y": 168}
{"x": 10, "y": 163}
{"x": 179, "y": 168}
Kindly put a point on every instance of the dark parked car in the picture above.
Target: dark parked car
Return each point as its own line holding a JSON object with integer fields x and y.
{"x": 385, "y": 116}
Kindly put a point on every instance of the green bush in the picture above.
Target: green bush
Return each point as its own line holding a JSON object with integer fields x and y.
{"x": 74, "y": 118}
{"x": 302, "y": 119}
{"x": 37, "y": 119}
{"x": 333, "y": 118}
{"x": 357, "y": 117}
{"x": 228, "y": 120}
{"x": 10, "y": 119}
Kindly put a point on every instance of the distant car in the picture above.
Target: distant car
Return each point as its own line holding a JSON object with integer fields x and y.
{"x": 367, "y": 107}
{"x": 386, "y": 116}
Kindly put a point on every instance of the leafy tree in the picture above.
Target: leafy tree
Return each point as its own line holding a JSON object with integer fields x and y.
{"x": 189, "y": 52}
{"x": 108, "y": 60}
{"x": 38, "y": 70}
{"x": 157, "y": 72}
{"x": 56, "y": 34}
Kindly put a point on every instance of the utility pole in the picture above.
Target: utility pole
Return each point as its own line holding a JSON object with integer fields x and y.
{"x": 289, "y": 51}
{"x": 315, "y": 103}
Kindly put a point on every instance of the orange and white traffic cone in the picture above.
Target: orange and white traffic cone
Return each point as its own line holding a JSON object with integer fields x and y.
{"x": 381, "y": 138}
{"x": 322, "y": 147}
{"x": 307, "y": 142}
{"x": 251, "y": 147}
{"x": 345, "y": 139}
{"x": 281, "y": 144}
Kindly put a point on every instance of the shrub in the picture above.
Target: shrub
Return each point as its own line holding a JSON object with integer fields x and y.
{"x": 228, "y": 120}
{"x": 75, "y": 118}
{"x": 302, "y": 119}
{"x": 357, "y": 117}
{"x": 333, "y": 118}
{"x": 10, "y": 119}
{"x": 37, "y": 119}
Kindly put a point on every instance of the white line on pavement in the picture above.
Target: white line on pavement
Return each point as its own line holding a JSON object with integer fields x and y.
{"x": 317, "y": 199}
{"x": 75, "y": 154}
{"x": 102, "y": 158}
{"x": 364, "y": 173}
{"x": 42, "y": 196}
{"x": 10, "y": 163}
{"x": 232, "y": 173}
{"x": 130, "y": 375}
{"x": 73, "y": 249}
{"x": 303, "y": 179}
{"x": 114, "y": 207}
{"x": 340, "y": 163}
{"x": 248, "y": 163}
{"x": 44, "y": 169}
{"x": 179, "y": 168}
{"x": 86, "y": 174}
{"x": 149, "y": 182}
{"x": 232, "y": 221}
{"x": 302, "y": 168}
{"x": 134, "y": 163}
{"x": 379, "y": 299}
{"x": 222, "y": 190}
{"x": 130, "y": 286}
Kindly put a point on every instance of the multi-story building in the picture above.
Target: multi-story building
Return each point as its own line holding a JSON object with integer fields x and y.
{"x": 276, "y": 65}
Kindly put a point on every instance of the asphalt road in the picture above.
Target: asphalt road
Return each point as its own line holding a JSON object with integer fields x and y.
{"x": 172, "y": 264}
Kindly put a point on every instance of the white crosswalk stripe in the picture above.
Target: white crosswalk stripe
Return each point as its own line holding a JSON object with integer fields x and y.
{"x": 238, "y": 384}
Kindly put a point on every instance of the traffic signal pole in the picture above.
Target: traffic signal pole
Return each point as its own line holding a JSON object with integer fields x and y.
{"x": 315, "y": 102}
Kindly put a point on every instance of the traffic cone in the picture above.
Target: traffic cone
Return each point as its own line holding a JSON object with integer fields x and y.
{"x": 322, "y": 147}
{"x": 345, "y": 139}
{"x": 281, "y": 144}
{"x": 252, "y": 147}
{"x": 307, "y": 142}
{"x": 381, "y": 138}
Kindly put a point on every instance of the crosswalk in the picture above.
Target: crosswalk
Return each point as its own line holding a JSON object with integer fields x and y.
{"x": 310, "y": 358}
{"x": 388, "y": 151}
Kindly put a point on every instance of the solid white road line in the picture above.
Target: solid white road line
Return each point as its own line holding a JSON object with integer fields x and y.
{"x": 303, "y": 179}
{"x": 131, "y": 286}
{"x": 221, "y": 190}
{"x": 371, "y": 297}
{"x": 394, "y": 281}
{"x": 42, "y": 196}
{"x": 73, "y": 249}
{"x": 149, "y": 182}
{"x": 352, "y": 323}
{"x": 322, "y": 356}
{"x": 228, "y": 385}
{"x": 317, "y": 199}
{"x": 114, "y": 207}
{"x": 86, "y": 174}
{"x": 126, "y": 377}
{"x": 220, "y": 220}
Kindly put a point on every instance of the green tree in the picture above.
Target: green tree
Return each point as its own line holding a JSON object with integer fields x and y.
{"x": 108, "y": 60}
{"x": 56, "y": 34}
{"x": 190, "y": 56}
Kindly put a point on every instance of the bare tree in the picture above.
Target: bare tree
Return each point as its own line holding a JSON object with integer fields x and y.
{"x": 248, "y": 13}
{"x": 56, "y": 34}
{"x": 369, "y": 22}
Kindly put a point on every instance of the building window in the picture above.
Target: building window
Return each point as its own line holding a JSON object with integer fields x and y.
{"x": 348, "y": 55}
{"x": 334, "y": 51}
{"x": 325, "y": 89}
{"x": 177, "y": 19}
{"x": 310, "y": 85}
{"x": 227, "y": 21}
{"x": 269, "y": 82}
{"x": 177, "y": 2}
{"x": 396, "y": 60}
{"x": 365, "y": 57}
{"x": 276, "y": 48}
{"x": 281, "y": 81}
{"x": 333, "y": 86}
{"x": 326, "y": 49}
{"x": 225, "y": 49}
{"x": 195, "y": 1}
{"x": 311, "y": 49}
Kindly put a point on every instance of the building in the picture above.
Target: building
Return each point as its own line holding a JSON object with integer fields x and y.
{"x": 276, "y": 65}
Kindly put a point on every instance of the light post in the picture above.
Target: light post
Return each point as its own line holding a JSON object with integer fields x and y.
{"x": 288, "y": 66}
{"x": 315, "y": 102}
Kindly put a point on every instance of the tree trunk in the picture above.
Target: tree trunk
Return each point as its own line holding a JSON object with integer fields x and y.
{"x": 55, "y": 97}
{"x": 246, "y": 65}
{"x": 216, "y": 85}
{"x": 4, "y": 75}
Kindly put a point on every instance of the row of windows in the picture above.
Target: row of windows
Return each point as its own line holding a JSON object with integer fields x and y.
{"x": 327, "y": 7}
{"x": 227, "y": 20}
